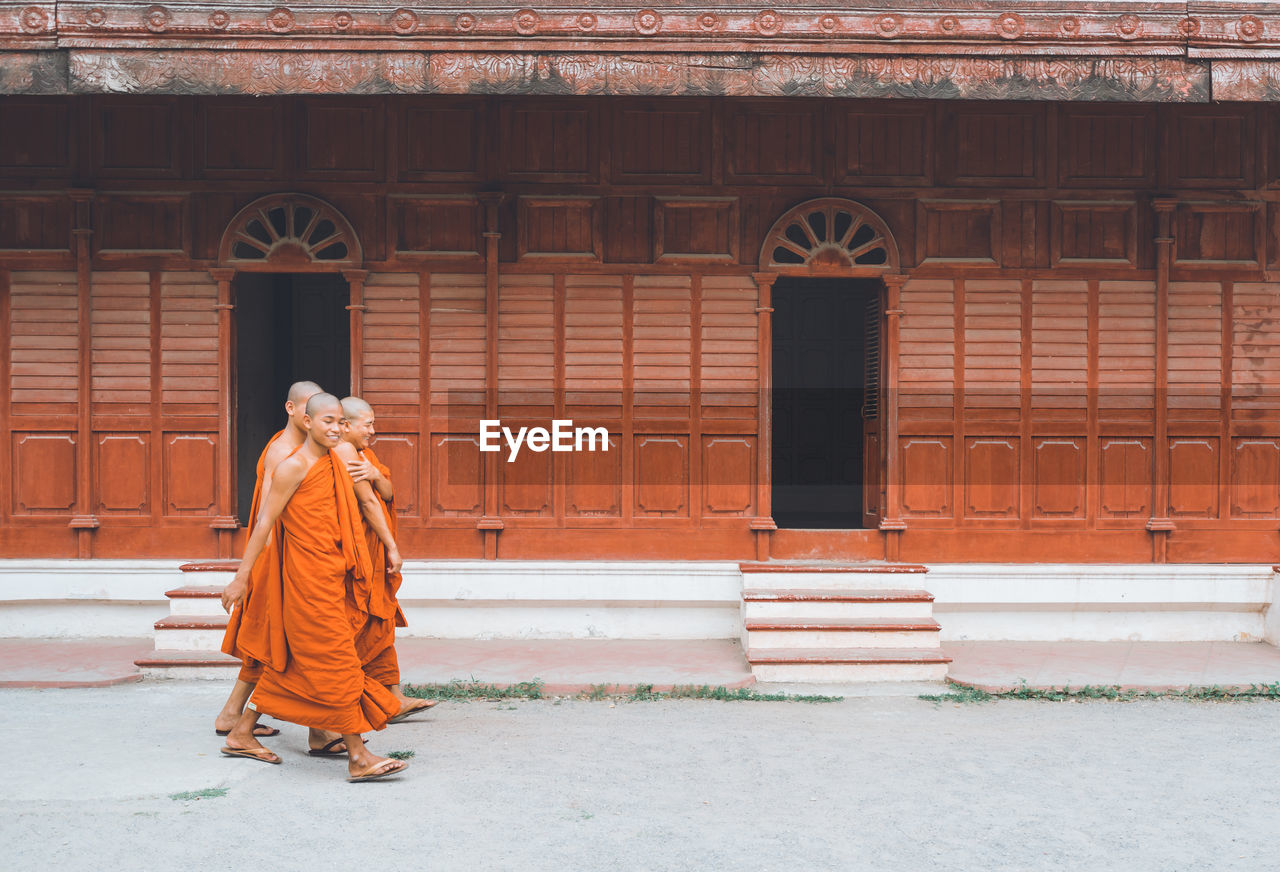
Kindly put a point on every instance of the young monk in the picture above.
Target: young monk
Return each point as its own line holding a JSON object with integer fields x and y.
{"x": 377, "y": 640}
{"x": 318, "y": 577}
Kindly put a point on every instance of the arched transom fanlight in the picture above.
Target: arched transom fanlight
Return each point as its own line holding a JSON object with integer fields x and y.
{"x": 829, "y": 235}
{"x": 290, "y": 230}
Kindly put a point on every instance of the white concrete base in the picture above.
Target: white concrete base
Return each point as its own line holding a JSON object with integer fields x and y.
{"x": 776, "y": 640}
{"x": 851, "y": 673}
{"x": 836, "y": 610}
{"x": 68, "y": 599}
{"x": 189, "y": 640}
{"x": 190, "y": 673}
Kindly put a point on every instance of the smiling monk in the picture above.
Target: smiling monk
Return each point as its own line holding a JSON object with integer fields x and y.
{"x": 317, "y": 568}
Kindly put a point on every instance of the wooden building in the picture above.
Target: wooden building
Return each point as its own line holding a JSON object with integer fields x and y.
{"x": 995, "y": 282}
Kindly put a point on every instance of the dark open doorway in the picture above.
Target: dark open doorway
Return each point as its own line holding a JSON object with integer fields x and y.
{"x": 822, "y": 329}
{"x": 289, "y": 327}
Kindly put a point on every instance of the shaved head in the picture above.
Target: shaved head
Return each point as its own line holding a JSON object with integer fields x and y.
{"x": 300, "y": 392}
{"x": 321, "y": 401}
{"x": 354, "y": 408}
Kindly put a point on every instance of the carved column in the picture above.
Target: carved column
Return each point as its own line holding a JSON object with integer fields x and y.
{"x": 356, "y": 278}
{"x": 892, "y": 523}
{"x": 490, "y": 524}
{"x": 84, "y": 522}
{"x": 763, "y": 523}
{"x": 225, "y": 522}
{"x": 1160, "y": 524}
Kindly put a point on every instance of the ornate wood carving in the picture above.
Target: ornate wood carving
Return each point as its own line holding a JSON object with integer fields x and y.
{"x": 829, "y": 235}
{"x": 290, "y": 231}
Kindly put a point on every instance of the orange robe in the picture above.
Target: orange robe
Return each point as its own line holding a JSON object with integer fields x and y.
{"x": 250, "y": 670}
{"x": 376, "y": 641}
{"x": 316, "y": 594}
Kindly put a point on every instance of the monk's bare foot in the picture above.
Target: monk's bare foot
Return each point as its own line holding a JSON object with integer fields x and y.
{"x": 366, "y": 766}
{"x": 325, "y": 741}
{"x": 241, "y": 738}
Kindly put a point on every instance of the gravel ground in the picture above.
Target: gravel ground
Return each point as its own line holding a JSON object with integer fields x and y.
{"x": 876, "y": 783}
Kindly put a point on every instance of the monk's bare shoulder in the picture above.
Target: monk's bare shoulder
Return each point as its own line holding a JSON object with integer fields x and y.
{"x": 345, "y": 451}
{"x": 276, "y": 452}
{"x": 290, "y": 471}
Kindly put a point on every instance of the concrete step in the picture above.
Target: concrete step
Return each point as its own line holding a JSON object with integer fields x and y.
{"x": 836, "y": 603}
{"x": 841, "y": 633}
{"x": 198, "y": 633}
{"x": 822, "y": 665}
{"x": 188, "y": 664}
{"x": 828, "y": 576}
{"x": 196, "y": 600}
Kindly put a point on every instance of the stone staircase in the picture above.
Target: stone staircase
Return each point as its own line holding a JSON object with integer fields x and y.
{"x": 189, "y": 639}
{"x": 839, "y": 623}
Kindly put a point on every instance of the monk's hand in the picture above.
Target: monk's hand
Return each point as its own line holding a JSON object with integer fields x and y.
{"x": 362, "y": 470}
{"x": 394, "y": 561}
{"x": 233, "y": 594}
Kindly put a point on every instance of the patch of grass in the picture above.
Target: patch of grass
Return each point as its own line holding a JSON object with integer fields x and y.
{"x": 644, "y": 693}
{"x": 739, "y": 694}
{"x": 596, "y": 693}
{"x": 207, "y": 793}
{"x": 459, "y": 690}
{"x": 963, "y": 693}
{"x": 401, "y": 755}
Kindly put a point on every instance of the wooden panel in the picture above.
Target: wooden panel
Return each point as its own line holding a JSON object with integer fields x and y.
{"x": 239, "y": 138}
{"x": 120, "y": 339}
{"x": 662, "y": 476}
{"x": 694, "y": 229}
{"x": 44, "y": 340}
{"x": 993, "y": 345}
{"x": 774, "y": 141}
{"x": 526, "y": 341}
{"x": 1212, "y": 234}
{"x": 992, "y": 145}
{"x": 560, "y": 227}
{"x": 190, "y": 473}
{"x": 991, "y": 479}
{"x": 885, "y": 147}
{"x": 442, "y": 142}
{"x": 440, "y": 226}
{"x": 593, "y": 352}
{"x": 1193, "y": 478}
{"x": 41, "y": 223}
{"x": 550, "y": 141}
{"x": 390, "y": 370}
{"x": 457, "y": 476}
{"x": 1255, "y": 478}
{"x": 122, "y": 473}
{"x": 1125, "y": 478}
{"x": 593, "y": 481}
{"x": 188, "y": 343}
{"x": 136, "y": 138}
{"x": 399, "y": 451}
{"x": 926, "y": 376}
{"x": 628, "y": 229}
{"x": 1059, "y": 469}
{"x": 44, "y": 473}
{"x": 1211, "y": 146}
{"x": 729, "y": 343}
{"x": 141, "y": 223}
{"x": 457, "y": 342}
{"x": 958, "y": 231}
{"x": 729, "y": 475}
{"x": 37, "y": 135}
{"x": 342, "y": 139}
{"x": 524, "y": 484}
{"x": 1126, "y": 351}
{"x": 926, "y": 476}
{"x": 657, "y": 143}
{"x": 662, "y": 333}
{"x": 1255, "y": 353}
{"x": 1104, "y": 147}
{"x": 1059, "y": 349}
{"x": 1195, "y": 350}
{"x": 1094, "y": 233}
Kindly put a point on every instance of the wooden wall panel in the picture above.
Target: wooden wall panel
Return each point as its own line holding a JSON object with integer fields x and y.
{"x": 729, "y": 347}
{"x": 38, "y": 136}
{"x": 551, "y": 141}
{"x": 927, "y": 483}
{"x": 35, "y": 224}
{"x": 342, "y": 139}
{"x": 691, "y": 229}
{"x": 128, "y": 223}
{"x": 1216, "y": 234}
{"x": 1059, "y": 467}
{"x": 457, "y": 476}
{"x": 122, "y": 473}
{"x": 391, "y": 376}
{"x": 526, "y": 345}
{"x": 44, "y": 472}
{"x": 992, "y": 145}
{"x": 399, "y": 451}
{"x": 993, "y": 346}
{"x": 190, "y": 473}
{"x": 927, "y": 339}
{"x": 991, "y": 478}
{"x": 1126, "y": 351}
{"x": 1106, "y": 147}
{"x": 240, "y": 138}
{"x": 120, "y": 341}
{"x": 593, "y": 482}
{"x": 188, "y": 343}
{"x": 656, "y": 142}
{"x": 1255, "y": 352}
{"x": 1124, "y": 478}
{"x": 44, "y": 342}
{"x": 774, "y": 142}
{"x": 662, "y": 328}
{"x": 139, "y": 137}
{"x": 1193, "y": 477}
{"x": 457, "y": 342}
{"x": 525, "y": 483}
{"x": 1089, "y": 233}
{"x": 890, "y": 146}
{"x": 1255, "y": 478}
{"x": 437, "y": 226}
{"x": 1059, "y": 350}
{"x": 442, "y": 142}
{"x": 1211, "y": 146}
{"x": 728, "y": 475}
{"x": 560, "y": 227}
{"x": 1195, "y": 351}
{"x": 662, "y": 476}
{"x": 628, "y": 233}
{"x": 958, "y": 231}
{"x": 593, "y": 346}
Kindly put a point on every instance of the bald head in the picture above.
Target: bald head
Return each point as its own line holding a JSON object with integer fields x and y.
{"x": 300, "y": 392}
{"x": 321, "y": 401}
{"x": 354, "y": 408}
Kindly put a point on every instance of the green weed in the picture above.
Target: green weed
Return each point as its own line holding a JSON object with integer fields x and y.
{"x": 207, "y": 793}
{"x": 401, "y": 755}
{"x": 963, "y": 693}
{"x": 459, "y": 690}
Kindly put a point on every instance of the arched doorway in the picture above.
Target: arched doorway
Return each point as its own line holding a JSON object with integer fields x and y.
{"x": 829, "y": 257}
{"x": 292, "y": 255}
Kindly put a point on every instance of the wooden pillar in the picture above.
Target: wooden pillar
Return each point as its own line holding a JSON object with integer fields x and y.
{"x": 892, "y": 523}
{"x": 490, "y": 523}
{"x": 84, "y": 522}
{"x": 225, "y": 521}
{"x": 355, "y": 279}
{"x": 763, "y": 523}
{"x": 7, "y": 485}
{"x": 1160, "y": 524}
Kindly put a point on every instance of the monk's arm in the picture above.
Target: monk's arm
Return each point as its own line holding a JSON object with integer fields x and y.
{"x": 283, "y": 485}
{"x": 363, "y": 469}
{"x": 371, "y": 508}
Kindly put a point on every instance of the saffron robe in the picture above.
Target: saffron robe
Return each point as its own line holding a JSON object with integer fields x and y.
{"x": 376, "y": 641}
{"x": 246, "y": 612}
{"x": 317, "y": 591}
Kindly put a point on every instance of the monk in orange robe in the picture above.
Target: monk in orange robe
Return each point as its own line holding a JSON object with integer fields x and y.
{"x": 280, "y": 446}
{"x": 314, "y": 596}
{"x": 376, "y": 641}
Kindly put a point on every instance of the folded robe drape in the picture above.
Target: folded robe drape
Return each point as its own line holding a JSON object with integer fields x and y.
{"x": 376, "y": 641}
{"x": 317, "y": 593}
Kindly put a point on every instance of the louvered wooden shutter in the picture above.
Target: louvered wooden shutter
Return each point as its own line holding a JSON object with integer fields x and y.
{"x": 871, "y": 364}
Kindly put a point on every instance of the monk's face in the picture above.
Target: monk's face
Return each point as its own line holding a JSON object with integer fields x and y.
{"x": 360, "y": 431}
{"x": 297, "y": 411}
{"x": 325, "y": 426}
